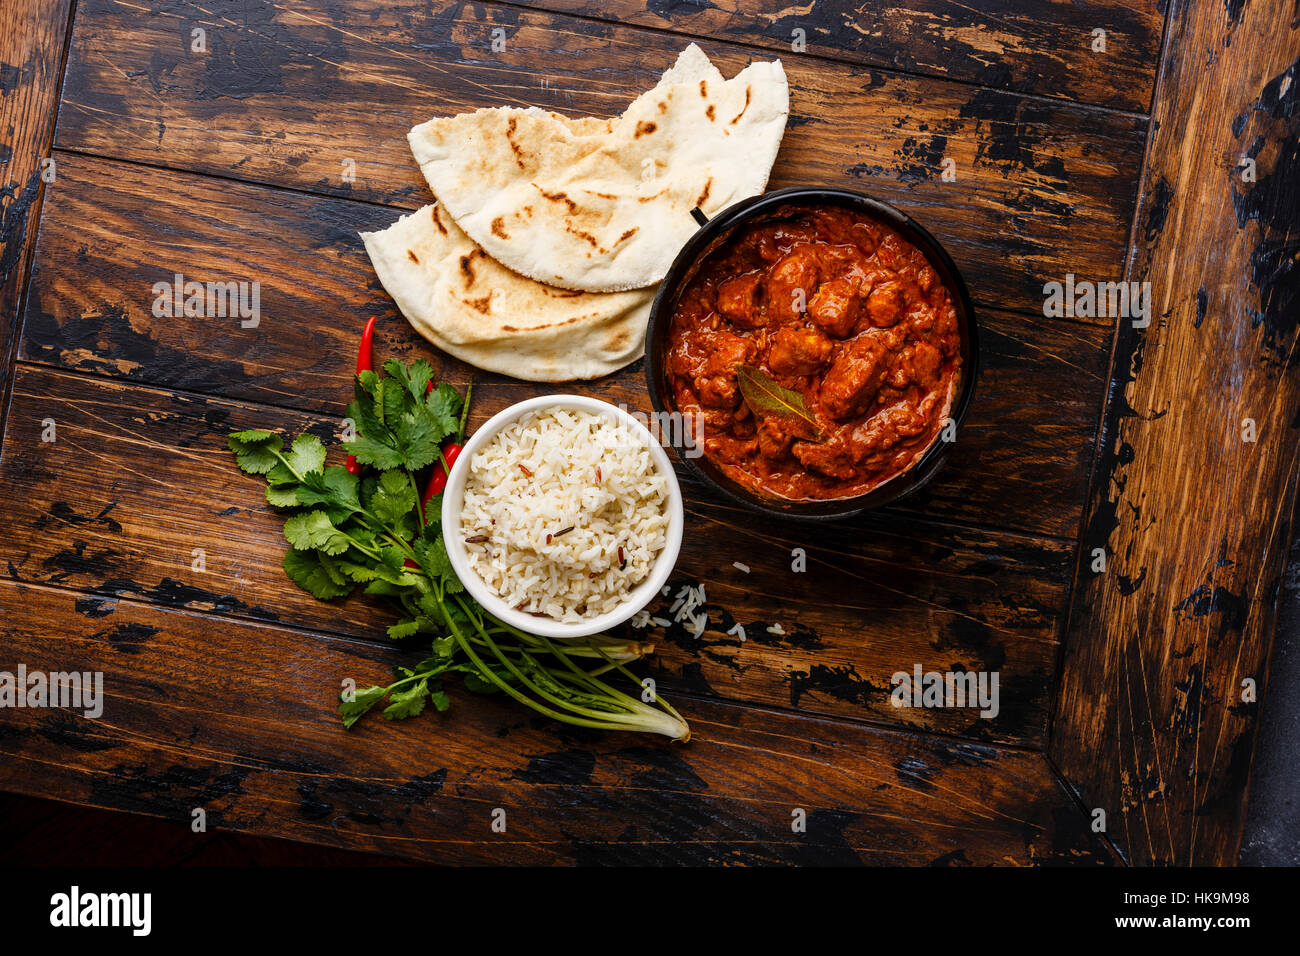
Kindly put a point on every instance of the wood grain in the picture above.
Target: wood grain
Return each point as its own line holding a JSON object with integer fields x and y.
{"x": 1192, "y": 509}
{"x": 289, "y": 95}
{"x": 111, "y": 230}
{"x": 136, "y": 479}
{"x": 238, "y": 718}
{"x": 1023, "y": 46}
{"x": 32, "y": 34}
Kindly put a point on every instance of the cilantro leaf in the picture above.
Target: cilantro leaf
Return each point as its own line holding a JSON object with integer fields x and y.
{"x": 394, "y": 497}
{"x": 315, "y": 530}
{"x": 418, "y": 436}
{"x": 370, "y": 451}
{"x": 335, "y": 487}
{"x": 436, "y": 563}
{"x": 307, "y": 454}
{"x": 282, "y": 496}
{"x": 353, "y": 710}
{"x": 443, "y": 406}
{"x": 407, "y": 703}
{"x": 255, "y": 451}
{"x": 308, "y": 570}
{"x": 404, "y": 628}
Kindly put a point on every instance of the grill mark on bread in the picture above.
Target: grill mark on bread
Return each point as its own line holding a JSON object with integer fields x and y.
{"x": 515, "y": 147}
{"x": 644, "y": 128}
{"x": 410, "y": 254}
{"x": 438, "y": 222}
{"x": 483, "y": 304}
{"x": 559, "y": 197}
{"x": 704, "y": 196}
{"x": 709, "y": 113}
{"x": 499, "y": 228}
{"x": 583, "y": 235}
{"x": 704, "y": 87}
{"x": 627, "y": 235}
{"x": 745, "y": 107}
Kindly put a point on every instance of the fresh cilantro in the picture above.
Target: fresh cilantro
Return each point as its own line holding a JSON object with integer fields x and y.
{"x": 344, "y": 531}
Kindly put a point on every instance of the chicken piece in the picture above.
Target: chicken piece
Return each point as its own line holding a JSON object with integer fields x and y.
{"x": 738, "y": 300}
{"x": 774, "y": 440}
{"x": 834, "y": 309}
{"x": 716, "y": 381}
{"x": 921, "y": 317}
{"x": 884, "y": 430}
{"x": 831, "y": 458}
{"x": 855, "y": 376}
{"x": 728, "y": 447}
{"x": 798, "y": 351}
{"x": 891, "y": 251}
{"x": 926, "y": 363}
{"x": 791, "y": 283}
{"x": 884, "y": 305}
{"x": 917, "y": 364}
{"x": 726, "y": 353}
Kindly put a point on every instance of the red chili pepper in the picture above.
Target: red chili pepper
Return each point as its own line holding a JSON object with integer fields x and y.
{"x": 437, "y": 482}
{"x": 365, "y": 361}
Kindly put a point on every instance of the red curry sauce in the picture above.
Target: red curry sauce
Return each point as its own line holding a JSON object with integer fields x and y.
{"x": 838, "y": 307}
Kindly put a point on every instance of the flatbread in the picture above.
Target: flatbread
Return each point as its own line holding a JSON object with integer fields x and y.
{"x": 472, "y": 307}
{"x": 604, "y": 205}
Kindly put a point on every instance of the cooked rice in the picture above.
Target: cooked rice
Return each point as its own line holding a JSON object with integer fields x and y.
{"x": 559, "y": 469}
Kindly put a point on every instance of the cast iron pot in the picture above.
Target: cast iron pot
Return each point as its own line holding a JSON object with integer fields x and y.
{"x": 712, "y": 233}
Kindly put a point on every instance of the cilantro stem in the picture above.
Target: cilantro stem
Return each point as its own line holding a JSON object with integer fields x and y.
{"x": 464, "y": 416}
{"x": 415, "y": 490}
{"x": 602, "y": 721}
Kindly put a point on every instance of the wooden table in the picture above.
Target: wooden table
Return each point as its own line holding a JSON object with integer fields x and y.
{"x": 1164, "y": 151}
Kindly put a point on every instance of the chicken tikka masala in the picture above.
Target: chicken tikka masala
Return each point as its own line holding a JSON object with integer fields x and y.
{"x": 844, "y": 313}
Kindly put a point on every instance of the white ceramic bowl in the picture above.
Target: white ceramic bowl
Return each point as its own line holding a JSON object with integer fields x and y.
{"x": 453, "y": 497}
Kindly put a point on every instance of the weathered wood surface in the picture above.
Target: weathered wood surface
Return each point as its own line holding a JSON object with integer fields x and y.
{"x": 237, "y": 718}
{"x": 110, "y": 231}
{"x": 1194, "y": 518}
{"x": 32, "y": 34}
{"x": 135, "y": 479}
{"x": 290, "y": 95}
{"x": 1031, "y": 47}
{"x": 974, "y": 573}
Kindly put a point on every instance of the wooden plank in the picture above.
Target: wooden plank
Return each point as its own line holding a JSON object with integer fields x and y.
{"x": 237, "y": 718}
{"x": 1196, "y": 485}
{"x": 1041, "y": 48}
{"x": 32, "y": 34}
{"x": 292, "y": 96}
{"x": 136, "y": 479}
{"x": 111, "y": 231}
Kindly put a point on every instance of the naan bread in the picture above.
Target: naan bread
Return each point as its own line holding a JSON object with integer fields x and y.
{"x": 604, "y": 205}
{"x": 472, "y": 307}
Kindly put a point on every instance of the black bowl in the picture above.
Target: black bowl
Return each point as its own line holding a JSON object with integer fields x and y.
{"x": 711, "y": 233}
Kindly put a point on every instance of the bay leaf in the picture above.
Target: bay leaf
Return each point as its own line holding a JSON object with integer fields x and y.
{"x": 765, "y": 396}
